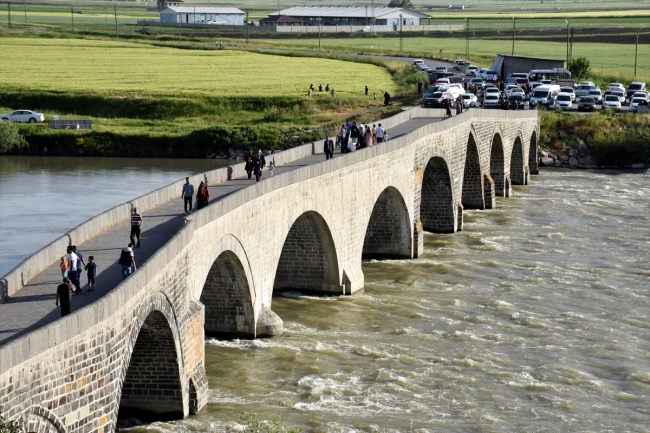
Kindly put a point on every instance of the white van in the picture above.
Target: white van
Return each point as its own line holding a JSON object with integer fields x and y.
{"x": 545, "y": 95}
{"x": 454, "y": 89}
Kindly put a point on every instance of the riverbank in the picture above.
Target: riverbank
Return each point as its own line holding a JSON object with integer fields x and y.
{"x": 600, "y": 140}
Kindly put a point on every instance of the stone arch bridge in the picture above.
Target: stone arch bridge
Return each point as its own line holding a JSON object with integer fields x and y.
{"x": 141, "y": 346}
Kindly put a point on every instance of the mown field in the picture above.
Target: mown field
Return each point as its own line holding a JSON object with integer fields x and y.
{"x": 606, "y": 59}
{"x": 118, "y": 68}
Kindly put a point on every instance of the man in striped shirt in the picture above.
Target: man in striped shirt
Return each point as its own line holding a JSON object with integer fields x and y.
{"x": 136, "y": 227}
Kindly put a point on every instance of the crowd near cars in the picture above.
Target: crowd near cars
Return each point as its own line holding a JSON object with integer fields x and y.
{"x": 553, "y": 89}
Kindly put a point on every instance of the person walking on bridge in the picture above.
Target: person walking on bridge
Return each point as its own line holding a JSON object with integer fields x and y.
{"x": 127, "y": 261}
{"x": 81, "y": 263}
{"x": 136, "y": 227}
{"x": 202, "y": 196}
{"x": 73, "y": 276}
{"x": 328, "y": 148}
{"x": 186, "y": 195}
{"x": 64, "y": 296}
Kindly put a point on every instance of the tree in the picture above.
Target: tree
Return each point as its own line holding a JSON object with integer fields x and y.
{"x": 580, "y": 68}
{"x": 8, "y": 427}
{"x": 9, "y": 138}
{"x": 400, "y": 4}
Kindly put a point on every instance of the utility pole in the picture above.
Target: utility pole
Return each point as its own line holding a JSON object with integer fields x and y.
{"x": 568, "y": 60}
{"x": 320, "y": 22}
{"x": 115, "y": 14}
{"x": 72, "y": 16}
{"x": 246, "y": 28}
{"x": 467, "y": 41}
{"x": 106, "y": 16}
{"x": 401, "y": 42}
{"x": 25, "y": 4}
{"x": 180, "y": 18}
{"x": 571, "y": 45}
{"x": 636, "y": 52}
{"x": 366, "y": 15}
{"x": 9, "y": 14}
{"x": 374, "y": 22}
{"x": 194, "y": 18}
{"x": 514, "y": 27}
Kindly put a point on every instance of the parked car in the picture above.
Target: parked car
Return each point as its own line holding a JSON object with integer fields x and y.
{"x": 616, "y": 86}
{"x": 597, "y": 95}
{"x": 478, "y": 82}
{"x": 584, "y": 87}
{"x": 443, "y": 81}
{"x": 637, "y": 86}
{"x": 518, "y": 79}
{"x": 491, "y": 76}
{"x": 619, "y": 94}
{"x": 636, "y": 103}
{"x": 643, "y": 94}
{"x": 569, "y": 90}
{"x": 517, "y": 99}
{"x": 26, "y": 116}
{"x": 143, "y": 31}
{"x": 491, "y": 100}
{"x": 517, "y": 91}
{"x": 459, "y": 62}
{"x": 612, "y": 102}
{"x": 441, "y": 69}
{"x": 427, "y": 99}
{"x": 491, "y": 90}
{"x": 469, "y": 100}
{"x": 587, "y": 104}
{"x": 417, "y": 62}
{"x": 509, "y": 87}
{"x": 471, "y": 70}
{"x": 563, "y": 102}
{"x": 481, "y": 73}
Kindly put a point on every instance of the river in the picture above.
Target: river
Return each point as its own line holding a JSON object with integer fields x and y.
{"x": 534, "y": 318}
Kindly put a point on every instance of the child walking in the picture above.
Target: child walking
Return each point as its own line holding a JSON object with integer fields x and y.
{"x": 64, "y": 268}
{"x": 91, "y": 267}
{"x": 271, "y": 168}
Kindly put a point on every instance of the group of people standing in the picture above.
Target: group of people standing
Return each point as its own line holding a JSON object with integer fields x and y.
{"x": 72, "y": 267}
{"x": 447, "y": 103}
{"x": 255, "y": 163}
{"x": 352, "y": 136}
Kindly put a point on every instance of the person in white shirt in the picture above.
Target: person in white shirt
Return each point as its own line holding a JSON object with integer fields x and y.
{"x": 380, "y": 134}
{"x": 73, "y": 273}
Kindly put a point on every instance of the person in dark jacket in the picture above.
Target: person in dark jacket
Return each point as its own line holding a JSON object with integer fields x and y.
{"x": 248, "y": 157}
{"x": 386, "y": 98}
{"x": 257, "y": 166}
{"x": 202, "y": 196}
{"x": 328, "y": 148}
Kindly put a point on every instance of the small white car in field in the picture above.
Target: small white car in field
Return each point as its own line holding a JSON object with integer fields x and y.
{"x": 612, "y": 102}
{"x": 469, "y": 100}
{"x": 26, "y": 116}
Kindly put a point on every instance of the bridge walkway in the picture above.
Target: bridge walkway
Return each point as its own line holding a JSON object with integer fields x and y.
{"x": 34, "y": 305}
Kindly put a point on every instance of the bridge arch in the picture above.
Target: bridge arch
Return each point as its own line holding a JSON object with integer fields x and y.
{"x": 153, "y": 383}
{"x": 497, "y": 166}
{"x": 38, "y": 419}
{"x": 532, "y": 154}
{"x": 308, "y": 261}
{"x": 388, "y": 232}
{"x": 228, "y": 298}
{"x": 472, "y": 197}
{"x": 517, "y": 165}
{"x": 437, "y": 202}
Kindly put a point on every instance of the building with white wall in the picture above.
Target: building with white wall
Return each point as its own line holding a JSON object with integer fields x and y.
{"x": 353, "y": 16}
{"x": 202, "y": 15}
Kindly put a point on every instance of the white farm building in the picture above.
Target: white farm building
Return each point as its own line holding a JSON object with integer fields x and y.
{"x": 202, "y": 15}
{"x": 352, "y": 16}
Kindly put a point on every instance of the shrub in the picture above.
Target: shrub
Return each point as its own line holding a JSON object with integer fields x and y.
{"x": 9, "y": 137}
{"x": 255, "y": 426}
{"x": 580, "y": 67}
{"x": 8, "y": 426}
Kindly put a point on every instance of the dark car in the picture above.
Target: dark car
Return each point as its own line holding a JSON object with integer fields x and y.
{"x": 587, "y": 104}
{"x": 433, "y": 100}
{"x": 427, "y": 98}
{"x": 143, "y": 31}
{"x": 516, "y": 99}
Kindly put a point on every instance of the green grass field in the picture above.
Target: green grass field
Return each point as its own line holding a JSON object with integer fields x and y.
{"x": 118, "y": 68}
{"x": 606, "y": 59}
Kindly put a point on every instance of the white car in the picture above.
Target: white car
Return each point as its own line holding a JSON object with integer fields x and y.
{"x": 471, "y": 70}
{"x": 469, "y": 100}
{"x": 563, "y": 102}
{"x": 517, "y": 91}
{"x": 441, "y": 69}
{"x": 442, "y": 81}
{"x": 491, "y": 101}
{"x": 618, "y": 93}
{"x": 509, "y": 87}
{"x": 492, "y": 91}
{"x": 417, "y": 62}
{"x": 636, "y": 101}
{"x": 612, "y": 102}
{"x": 597, "y": 95}
{"x": 23, "y": 116}
{"x": 569, "y": 90}
{"x": 616, "y": 86}
{"x": 481, "y": 72}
